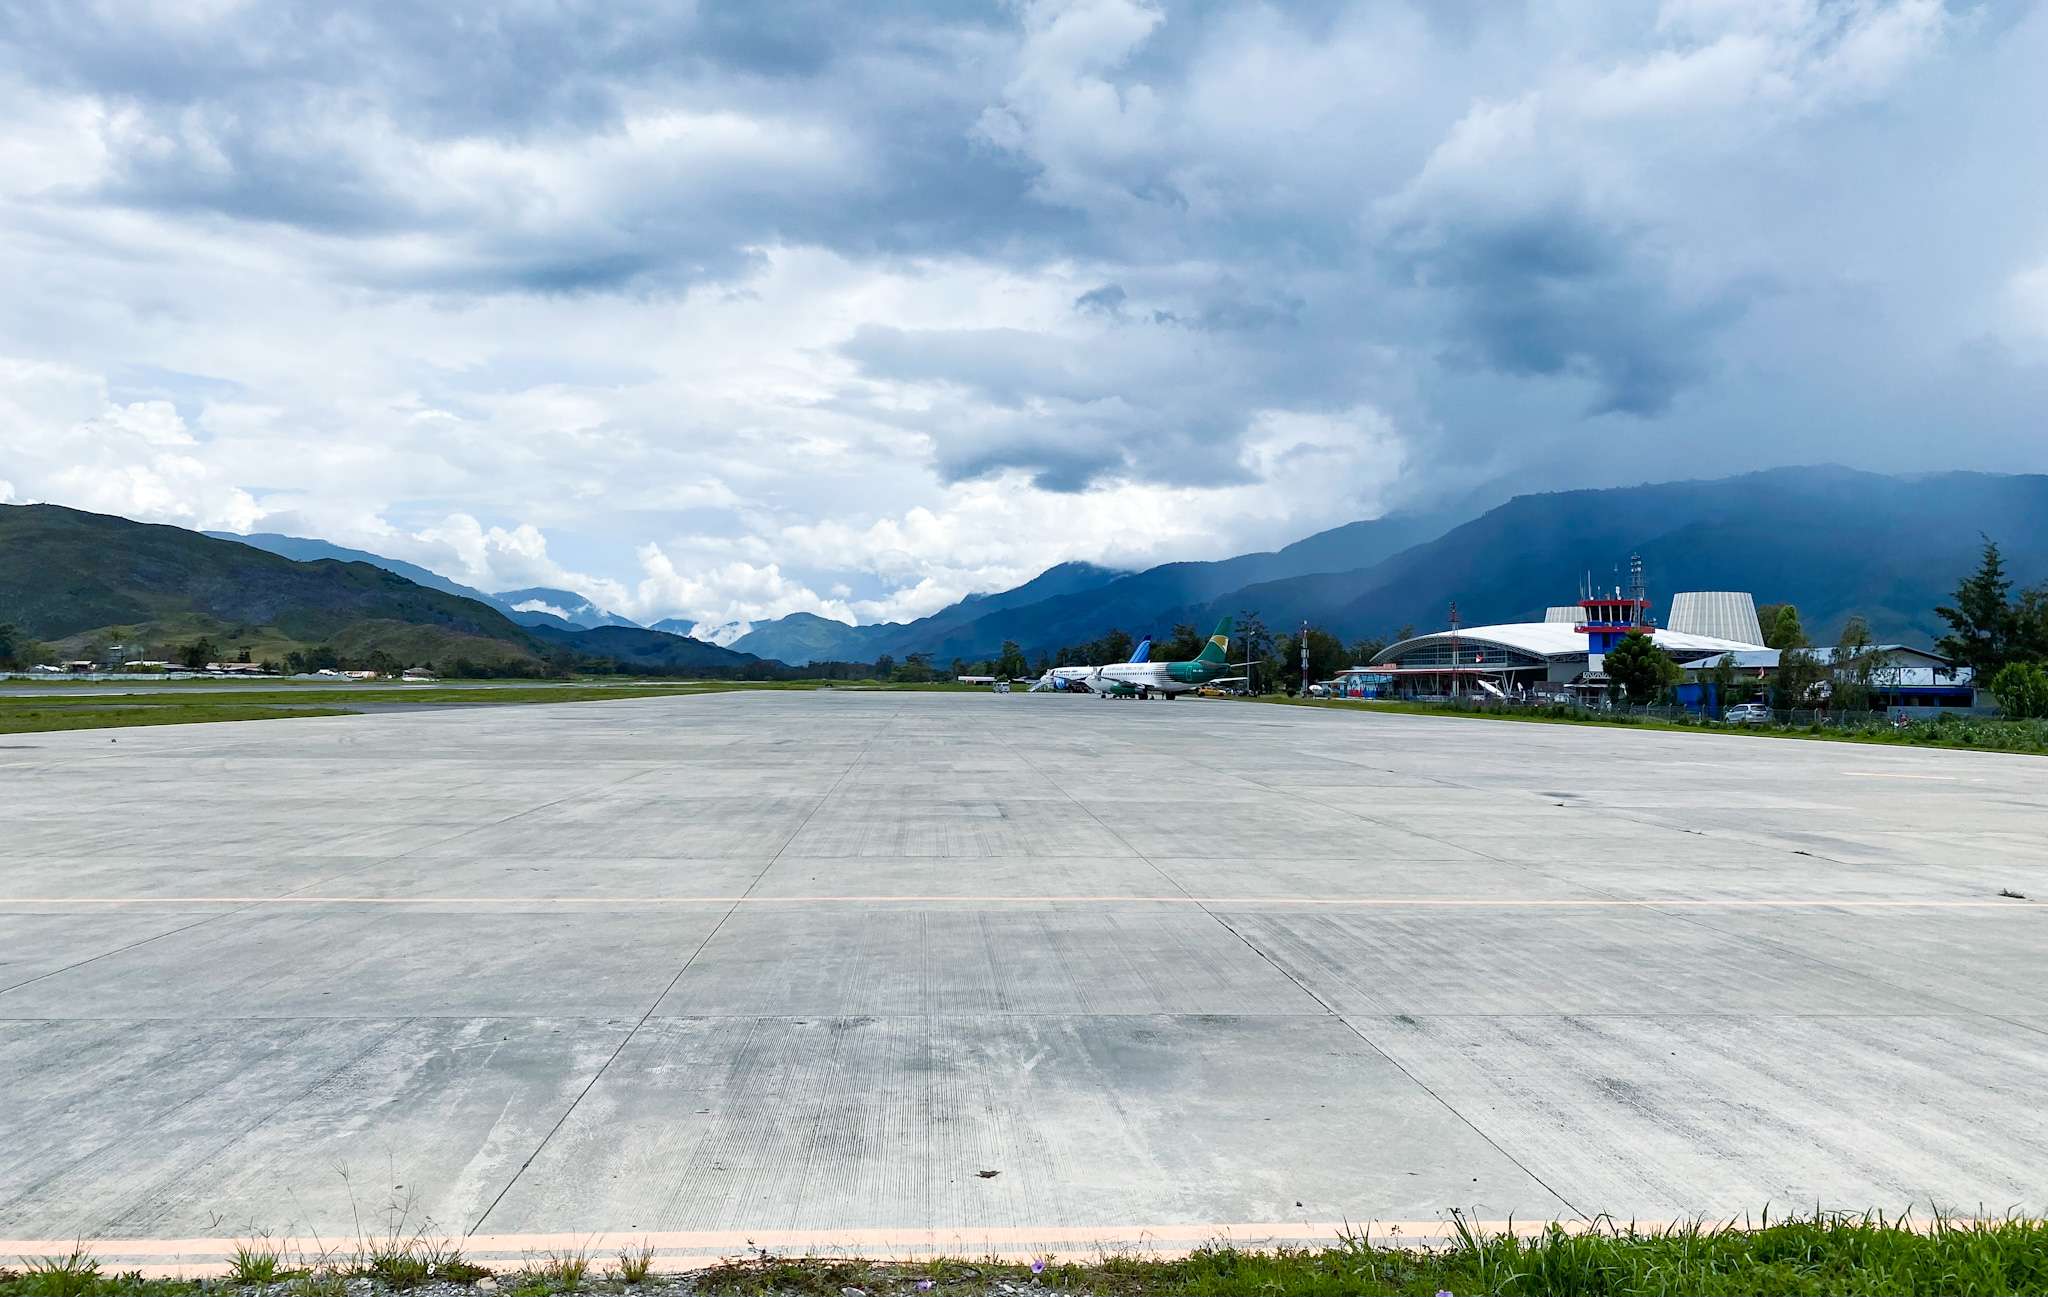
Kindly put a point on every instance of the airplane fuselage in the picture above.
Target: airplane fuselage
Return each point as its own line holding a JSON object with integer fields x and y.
{"x": 1167, "y": 678}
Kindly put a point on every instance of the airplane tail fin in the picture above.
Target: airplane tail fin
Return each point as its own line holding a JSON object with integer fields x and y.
{"x": 1144, "y": 653}
{"x": 1217, "y": 650}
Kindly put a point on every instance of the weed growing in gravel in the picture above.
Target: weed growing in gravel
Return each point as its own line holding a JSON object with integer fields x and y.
{"x": 555, "y": 1272}
{"x": 258, "y": 1262}
{"x": 635, "y": 1262}
{"x": 76, "y": 1275}
{"x": 320, "y": 1281}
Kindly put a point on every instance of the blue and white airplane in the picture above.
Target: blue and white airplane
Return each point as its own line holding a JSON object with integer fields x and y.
{"x": 1079, "y": 679}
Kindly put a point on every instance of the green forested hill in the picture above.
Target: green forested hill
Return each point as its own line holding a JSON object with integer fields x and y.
{"x": 65, "y": 573}
{"x": 87, "y": 580}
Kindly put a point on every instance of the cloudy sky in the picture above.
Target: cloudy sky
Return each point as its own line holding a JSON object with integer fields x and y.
{"x": 726, "y": 310}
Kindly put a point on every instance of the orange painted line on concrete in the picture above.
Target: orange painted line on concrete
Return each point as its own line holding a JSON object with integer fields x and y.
{"x": 696, "y": 1249}
{"x": 1529, "y": 902}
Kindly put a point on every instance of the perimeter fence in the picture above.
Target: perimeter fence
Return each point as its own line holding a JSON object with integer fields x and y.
{"x": 1946, "y": 728}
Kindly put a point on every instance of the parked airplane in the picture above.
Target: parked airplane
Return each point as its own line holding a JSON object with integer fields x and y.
{"x": 1168, "y": 678}
{"x": 1075, "y": 679}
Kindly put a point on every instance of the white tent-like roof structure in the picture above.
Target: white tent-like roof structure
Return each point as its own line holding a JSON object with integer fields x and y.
{"x": 1549, "y": 639}
{"x": 1723, "y": 614}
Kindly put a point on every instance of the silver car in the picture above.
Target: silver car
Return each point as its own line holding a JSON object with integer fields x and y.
{"x": 1747, "y": 714}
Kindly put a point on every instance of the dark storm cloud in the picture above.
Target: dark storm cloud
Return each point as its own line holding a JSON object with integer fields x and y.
{"x": 1554, "y": 293}
{"x": 347, "y": 122}
{"x": 1249, "y": 208}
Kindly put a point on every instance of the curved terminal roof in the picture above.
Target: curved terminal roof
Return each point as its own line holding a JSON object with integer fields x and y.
{"x": 1548, "y": 639}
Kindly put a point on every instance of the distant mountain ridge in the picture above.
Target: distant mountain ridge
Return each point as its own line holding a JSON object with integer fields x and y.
{"x": 1076, "y": 602}
{"x": 806, "y": 637}
{"x": 562, "y": 609}
{"x": 1836, "y": 542}
{"x": 545, "y": 606}
{"x": 307, "y": 550}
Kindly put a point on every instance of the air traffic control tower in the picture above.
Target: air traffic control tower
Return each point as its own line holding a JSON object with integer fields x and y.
{"x": 1604, "y": 619}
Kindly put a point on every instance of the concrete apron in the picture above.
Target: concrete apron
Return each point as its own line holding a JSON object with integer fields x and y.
{"x": 800, "y": 968}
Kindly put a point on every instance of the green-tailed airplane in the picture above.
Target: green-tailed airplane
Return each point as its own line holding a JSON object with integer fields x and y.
{"x": 1169, "y": 678}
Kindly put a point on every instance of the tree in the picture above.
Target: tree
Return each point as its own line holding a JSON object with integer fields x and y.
{"x": 885, "y": 667}
{"x": 199, "y": 653}
{"x": 1784, "y": 631}
{"x": 2022, "y": 690}
{"x": 1258, "y": 651}
{"x": 1987, "y": 631}
{"x": 19, "y": 650}
{"x": 321, "y": 658}
{"x": 1641, "y": 669}
{"x": 916, "y": 670}
{"x": 1363, "y": 651}
{"x": 1044, "y": 664}
{"x": 1184, "y": 645}
{"x": 1326, "y": 654}
{"x": 1799, "y": 674}
{"x": 1852, "y": 666}
{"x": 1012, "y": 664}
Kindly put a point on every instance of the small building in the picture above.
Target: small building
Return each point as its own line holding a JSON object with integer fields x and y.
{"x": 1361, "y": 682}
{"x": 1902, "y": 676}
{"x": 417, "y": 673}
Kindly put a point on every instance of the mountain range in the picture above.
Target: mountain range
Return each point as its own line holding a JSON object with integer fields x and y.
{"x": 1834, "y": 541}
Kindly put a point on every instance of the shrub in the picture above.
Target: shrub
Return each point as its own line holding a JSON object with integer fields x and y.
{"x": 2022, "y": 690}
{"x": 76, "y": 1275}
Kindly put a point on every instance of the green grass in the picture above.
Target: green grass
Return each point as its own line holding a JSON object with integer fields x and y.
{"x": 1969, "y": 733}
{"x": 1819, "y": 1254}
{"x": 1822, "y": 1254}
{"x": 62, "y": 705}
{"x": 44, "y": 717}
{"x": 172, "y": 705}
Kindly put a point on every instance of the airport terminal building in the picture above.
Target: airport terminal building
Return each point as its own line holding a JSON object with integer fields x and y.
{"x": 1558, "y": 656}
{"x": 1515, "y": 659}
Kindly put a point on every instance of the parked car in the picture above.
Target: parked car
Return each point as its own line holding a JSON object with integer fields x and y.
{"x": 1747, "y": 714}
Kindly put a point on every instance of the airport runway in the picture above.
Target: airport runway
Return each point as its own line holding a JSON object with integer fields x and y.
{"x": 806, "y": 967}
